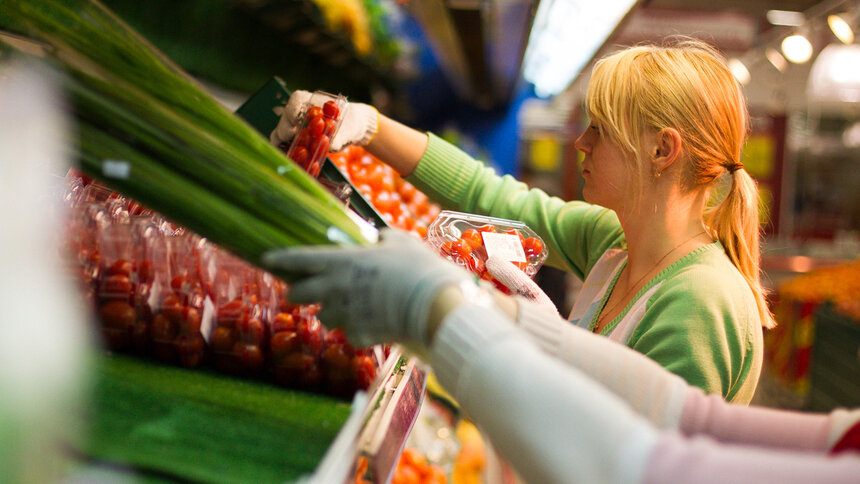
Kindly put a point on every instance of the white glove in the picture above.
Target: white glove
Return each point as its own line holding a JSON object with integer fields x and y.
{"x": 377, "y": 294}
{"x": 518, "y": 282}
{"x": 359, "y": 122}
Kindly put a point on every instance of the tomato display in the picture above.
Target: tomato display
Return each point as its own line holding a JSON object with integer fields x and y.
{"x": 470, "y": 239}
{"x": 398, "y": 202}
{"x": 318, "y": 123}
{"x": 159, "y": 290}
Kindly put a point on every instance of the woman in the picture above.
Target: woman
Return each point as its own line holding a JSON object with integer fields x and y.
{"x": 662, "y": 274}
{"x": 533, "y": 387}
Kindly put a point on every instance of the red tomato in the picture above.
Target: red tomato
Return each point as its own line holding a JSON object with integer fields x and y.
{"x": 316, "y": 126}
{"x": 117, "y": 314}
{"x": 284, "y": 343}
{"x": 116, "y": 287}
{"x": 336, "y": 358}
{"x": 335, "y": 336}
{"x": 318, "y": 147}
{"x": 365, "y": 371}
{"x": 315, "y": 112}
{"x": 330, "y": 109}
{"x": 461, "y": 249}
{"x": 120, "y": 267}
{"x": 283, "y": 322}
{"x": 330, "y": 127}
{"x": 473, "y": 238}
{"x": 252, "y": 331}
{"x": 300, "y": 155}
{"x": 163, "y": 329}
{"x": 487, "y": 228}
{"x": 189, "y": 323}
{"x": 249, "y": 355}
{"x": 447, "y": 247}
{"x": 303, "y": 138}
{"x": 222, "y": 339}
{"x": 171, "y": 308}
{"x": 533, "y": 247}
{"x": 476, "y": 265}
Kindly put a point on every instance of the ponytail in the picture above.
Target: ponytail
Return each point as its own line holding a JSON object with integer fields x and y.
{"x": 735, "y": 223}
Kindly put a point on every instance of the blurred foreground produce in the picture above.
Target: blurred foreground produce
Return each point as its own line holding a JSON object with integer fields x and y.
{"x": 163, "y": 291}
{"x": 149, "y": 131}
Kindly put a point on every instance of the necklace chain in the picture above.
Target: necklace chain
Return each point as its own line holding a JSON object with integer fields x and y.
{"x": 631, "y": 288}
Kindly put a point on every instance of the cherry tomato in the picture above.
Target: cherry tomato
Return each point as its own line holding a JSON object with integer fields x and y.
{"x": 163, "y": 329}
{"x": 533, "y": 246}
{"x": 336, "y": 357}
{"x": 330, "y": 109}
{"x": 222, "y": 339}
{"x": 284, "y": 343}
{"x": 315, "y": 112}
{"x": 487, "y": 228}
{"x": 189, "y": 323}
{"x": 364, "y": 369}
{"x": 303, "y": 138}
{"x": 476, "y": 265}
{"x": 473, "y": 238}
{"x": 116, "y": 287}
{"x": 319, "y": 147}
{"x": 461, "y": 249}
{"x": 283, "y": 322}
{"x": 117, "y": 314}
{"x": 330, "y": 127}
{"x": 171, "y": 308}
{"x": 316, "y": 126}
{"x": 300, "y": 155}
{"x": 252, "y": 331}
{"x": 120, "y": 267}
{"x": 249, "y": 355}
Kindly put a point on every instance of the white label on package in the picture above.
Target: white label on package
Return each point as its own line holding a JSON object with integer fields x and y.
{"x": 507, "y": 246}
{"x": 207, "y": 320}
{"x": 116, "y": 169}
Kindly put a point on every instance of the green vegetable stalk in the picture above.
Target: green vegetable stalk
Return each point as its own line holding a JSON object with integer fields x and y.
{"x": 188, "y": 157}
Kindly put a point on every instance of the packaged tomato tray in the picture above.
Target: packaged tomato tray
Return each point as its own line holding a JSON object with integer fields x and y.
{"x": 469, "y": 240}
{"x": 318, "y": 121}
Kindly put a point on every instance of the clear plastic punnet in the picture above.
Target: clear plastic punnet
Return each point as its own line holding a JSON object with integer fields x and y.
{"x": 318, "y": 122}
{"x": 469, "y": 240}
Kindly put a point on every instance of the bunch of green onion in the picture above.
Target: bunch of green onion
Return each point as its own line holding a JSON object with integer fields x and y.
{"x": 148, "y": 130}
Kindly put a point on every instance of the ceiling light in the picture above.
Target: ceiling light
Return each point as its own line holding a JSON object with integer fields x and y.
{"x": 785, "y": 17}
{"x": 840, "y": 28}
{"x": 797, "y": 48}
{"x": 835, "y": 75}
{"x": 776, "y": 59}
{"x": 739, "y": 70}
{"x": 566, "y": 34}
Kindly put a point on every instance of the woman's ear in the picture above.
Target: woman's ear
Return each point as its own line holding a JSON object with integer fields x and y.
{"x": 666, "y": 149}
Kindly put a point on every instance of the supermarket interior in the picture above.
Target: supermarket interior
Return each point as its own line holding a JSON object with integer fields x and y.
{"x": 515, "y": 233}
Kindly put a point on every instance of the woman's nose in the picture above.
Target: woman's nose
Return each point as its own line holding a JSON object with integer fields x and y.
{"x": 582, "y": 144}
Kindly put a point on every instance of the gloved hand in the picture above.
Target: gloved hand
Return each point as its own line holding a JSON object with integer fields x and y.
{"x": 377, "y": 294}
{"x": 358, "y": 125}
{"x": 518, "y": 282}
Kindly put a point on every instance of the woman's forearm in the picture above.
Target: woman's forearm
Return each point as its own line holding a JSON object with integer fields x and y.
{"x": 398, "y": 145}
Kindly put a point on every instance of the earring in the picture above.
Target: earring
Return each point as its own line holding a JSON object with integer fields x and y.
{"x": 657, "y": 173}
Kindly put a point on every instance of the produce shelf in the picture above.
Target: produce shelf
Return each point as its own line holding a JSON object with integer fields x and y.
{"x": 163, "y": 423}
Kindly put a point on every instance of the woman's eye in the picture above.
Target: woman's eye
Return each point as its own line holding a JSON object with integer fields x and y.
{"x": 595, "y": 127}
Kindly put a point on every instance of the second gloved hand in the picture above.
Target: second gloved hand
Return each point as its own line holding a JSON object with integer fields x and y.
{"x": 377, "y": 294}
{"x": 358, "y": 125}
{"x": 518, "y": 282}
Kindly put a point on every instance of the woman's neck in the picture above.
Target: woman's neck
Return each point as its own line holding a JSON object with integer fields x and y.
{"x": 658, "y": 237}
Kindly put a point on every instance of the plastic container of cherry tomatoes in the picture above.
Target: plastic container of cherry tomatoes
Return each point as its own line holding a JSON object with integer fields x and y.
{"x": 469, "y": 240}
{"x": 318, "y": 121}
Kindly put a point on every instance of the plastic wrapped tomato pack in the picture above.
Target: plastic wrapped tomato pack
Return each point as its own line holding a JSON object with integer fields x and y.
{"x": 161, "y": 291}
{"x": 318, "y": 121}
{"x": 469, "y": 240}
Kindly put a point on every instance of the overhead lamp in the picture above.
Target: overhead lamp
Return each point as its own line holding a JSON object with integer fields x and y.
{"x": 739, "y": 70}
{"x": 785, "y": 17}
{"x": 776, "y": 59}
{"x": 840, "y": 27}
{"x": 797, "y": 48}
{"x": 566, "y": 34}
{"x": 835, "y": 75}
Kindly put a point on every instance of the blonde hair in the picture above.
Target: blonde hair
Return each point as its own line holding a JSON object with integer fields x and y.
{"x": 685, "y": 84}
